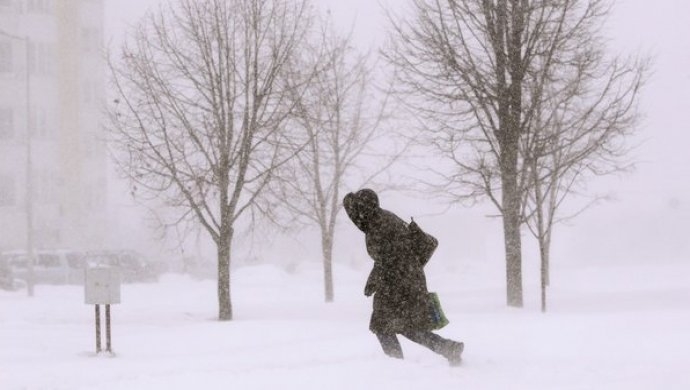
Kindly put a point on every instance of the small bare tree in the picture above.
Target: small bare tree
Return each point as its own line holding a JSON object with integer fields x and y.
{"x": 579, "y": 130}
{"x": 342, "y": 112}
{"x": 477, "y": 73}
{"x": 203, "y": 102}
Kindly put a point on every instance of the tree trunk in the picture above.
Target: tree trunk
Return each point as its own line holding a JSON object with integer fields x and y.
{"x": 511, "y": 227}
{"x": 543, "y": 251}
{"x": 553, "y": 205}
{"x": 547, "y": 258}
{"x": 224, "y": 303}
{"x": 513, "y": 245}
{"x": 506, "y": 42}
{"x": 327, "y": 249}
{"x": 542, "y": 233}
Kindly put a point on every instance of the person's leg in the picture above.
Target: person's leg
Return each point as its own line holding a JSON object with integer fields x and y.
{"x": 390, "y": 345}
{"x": 451, "y": 350}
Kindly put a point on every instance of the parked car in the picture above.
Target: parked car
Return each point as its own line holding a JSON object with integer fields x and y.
{"x": 7, "y": 281}
{"x": 132, "y": 265}
{"x": 68, "y": 266}
{"x": 50, "y": 266}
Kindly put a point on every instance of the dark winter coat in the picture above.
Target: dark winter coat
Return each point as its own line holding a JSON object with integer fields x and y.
{"x": 397, "y": 280}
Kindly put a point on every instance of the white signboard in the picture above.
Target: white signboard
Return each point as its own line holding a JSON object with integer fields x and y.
{"x": 102, "y": 286}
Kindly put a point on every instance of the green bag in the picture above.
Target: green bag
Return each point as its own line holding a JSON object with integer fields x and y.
{"x": 438, "y": 318}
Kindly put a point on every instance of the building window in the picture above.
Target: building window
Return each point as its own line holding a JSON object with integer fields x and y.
{"x": 5, "y": 56}
{"x": 6, "y": 123}
{"x": 39, "y": 6}
{"x": 10, "y": 6}
{"x": 7, "y": 191}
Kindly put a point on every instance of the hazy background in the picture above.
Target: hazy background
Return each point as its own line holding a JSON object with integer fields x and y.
{"x": 648, "y": 216}
{"x": 619, "y": 277}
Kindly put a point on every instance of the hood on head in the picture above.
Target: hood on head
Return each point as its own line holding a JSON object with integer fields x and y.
{"x": 361, "y": 207}
{"x": 368, "y": 198}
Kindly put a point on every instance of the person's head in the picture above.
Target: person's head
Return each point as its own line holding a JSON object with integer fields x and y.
{"x": 361, "y": 206}
{"x": 368, "y": 198}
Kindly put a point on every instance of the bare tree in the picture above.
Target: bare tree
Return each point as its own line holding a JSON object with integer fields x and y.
{"x": 342, "y": 112}
{"x": 579, "y": 130}
{"x": 202, "y": 110}
{"x": 477, "y": 71}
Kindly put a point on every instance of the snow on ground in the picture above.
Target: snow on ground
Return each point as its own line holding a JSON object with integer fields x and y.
{"x": 609, "y": 327}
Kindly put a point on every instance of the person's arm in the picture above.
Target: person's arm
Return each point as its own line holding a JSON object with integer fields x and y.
{"x": 372, "y": 281}
{"x": 423, "y": 244}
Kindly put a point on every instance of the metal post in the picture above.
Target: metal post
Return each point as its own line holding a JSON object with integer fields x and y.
{"x": 29, "y": 169}
{"x": 107, "y": 329}
{"x": 98, "y": 328}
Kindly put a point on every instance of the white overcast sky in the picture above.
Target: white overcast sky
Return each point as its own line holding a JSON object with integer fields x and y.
{"x": 660, "y": 28}
{"x": 660, "y": 186}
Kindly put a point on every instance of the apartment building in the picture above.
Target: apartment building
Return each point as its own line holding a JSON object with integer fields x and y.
{"x": 52, "y": 78}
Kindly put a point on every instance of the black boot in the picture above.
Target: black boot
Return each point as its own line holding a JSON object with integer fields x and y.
{"x": 390, "y": 345}
{"x": 454, "y": 354}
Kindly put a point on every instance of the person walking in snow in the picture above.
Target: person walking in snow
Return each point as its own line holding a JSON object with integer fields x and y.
{"x": 397, "y": 280}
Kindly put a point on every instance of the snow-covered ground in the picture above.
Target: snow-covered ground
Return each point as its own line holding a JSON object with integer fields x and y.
{"x": 609, "y": 327}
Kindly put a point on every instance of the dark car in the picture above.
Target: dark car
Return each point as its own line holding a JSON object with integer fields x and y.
{"x": 6, "y": 277}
